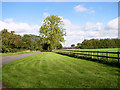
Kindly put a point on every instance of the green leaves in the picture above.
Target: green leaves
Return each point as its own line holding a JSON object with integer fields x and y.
{"x": 73, "y": 45}
{"x": 101, "y": 43}
{"x": 52, "y": 31}
{"x": 12, "y": 42}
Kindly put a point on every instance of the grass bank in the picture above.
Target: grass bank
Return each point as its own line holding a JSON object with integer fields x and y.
{"x": 51, "y": 70}
{"x": 15, "y": 53}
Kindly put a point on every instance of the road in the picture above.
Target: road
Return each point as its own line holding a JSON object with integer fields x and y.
{"x": 7, "y": 59}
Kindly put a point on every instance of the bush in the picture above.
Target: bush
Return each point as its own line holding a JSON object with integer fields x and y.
{"x": 5, "y": 50}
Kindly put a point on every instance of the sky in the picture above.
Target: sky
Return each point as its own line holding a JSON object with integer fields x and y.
{"x": 82, "y": 20}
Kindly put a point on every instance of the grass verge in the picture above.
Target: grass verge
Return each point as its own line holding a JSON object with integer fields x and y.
{"x": 15, "y": 53}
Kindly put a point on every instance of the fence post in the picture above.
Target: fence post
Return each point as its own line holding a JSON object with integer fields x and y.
{"x": 77, "y": 54}
{"x": 86, "y": 54}
{"x": 107, "y": 57}
{"x": 98, "y": 55}
{"x": 92, "y": 54}
{"x": 81, "y": 54}
{"x": 118, "y": 57}
{"x": 70, "y": 53}
{"x": 74, "y": 54}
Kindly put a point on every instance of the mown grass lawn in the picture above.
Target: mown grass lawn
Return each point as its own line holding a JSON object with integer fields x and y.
{"x": 51, "y": 70}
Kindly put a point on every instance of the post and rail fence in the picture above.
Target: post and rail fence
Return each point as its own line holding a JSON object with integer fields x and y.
{"x": 93, "y": 54}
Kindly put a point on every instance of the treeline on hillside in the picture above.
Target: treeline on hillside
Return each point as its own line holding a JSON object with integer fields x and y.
{"x": 100, "y": 43}
{"x": 12, "y": 42}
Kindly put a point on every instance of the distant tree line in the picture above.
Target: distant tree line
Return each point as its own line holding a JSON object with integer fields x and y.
{"x": 12, "y": 42}
{"x": 99, "y": 43}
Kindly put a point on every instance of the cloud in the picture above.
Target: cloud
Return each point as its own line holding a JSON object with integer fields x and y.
{"x": 45, "y": 14}
{"x": 93, "y": 26}
{"x": 68, "y": 24}
{"x": 113, "y": 24}
{"x": 8, "y": 20}
{"x": 92, "y": 11}
{"x": 80, "y": 8}
{"x": 111, "y": 28}
{"x": 109, "y": 31}
{"x": 19, "y": 28}
{"x": 75, "y": 33}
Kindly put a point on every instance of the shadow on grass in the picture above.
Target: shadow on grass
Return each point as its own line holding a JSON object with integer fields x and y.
{"x": 114, "y": 64}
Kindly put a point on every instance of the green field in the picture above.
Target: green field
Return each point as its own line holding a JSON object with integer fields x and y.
{"x": 101, "y": 50}
{"x": 104, "y": 49}
{"x": 15, "y": 53}
{"x": 51, "y": 70}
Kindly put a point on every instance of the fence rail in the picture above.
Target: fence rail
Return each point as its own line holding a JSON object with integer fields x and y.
{"x": 92, "y": 54}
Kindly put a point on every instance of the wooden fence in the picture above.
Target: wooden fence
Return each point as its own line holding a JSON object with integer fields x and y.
{"x": 93, "y": 54}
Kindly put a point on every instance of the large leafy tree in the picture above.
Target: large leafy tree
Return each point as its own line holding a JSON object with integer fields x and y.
{"x": 52, "y": 32}
{"x": 78, "y": 45}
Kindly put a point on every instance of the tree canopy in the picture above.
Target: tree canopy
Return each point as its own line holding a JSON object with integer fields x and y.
{"x": 12, "y": 42}
{"x": 52, "y": 32}
{"x": 100, "y": 43}
{"x": 73, "y": 45}
{"x": 78, "y": 45}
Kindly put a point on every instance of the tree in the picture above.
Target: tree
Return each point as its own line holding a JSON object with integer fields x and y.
{"x": 31, "y": 42}
{"x": 73, "y": 45}
{"x": 11, "y": 42}
{"x": 102, "y": 43}
{"x": 59, "y": 46}
{"x": 78, "y": 45}
{"x": 52, "y": 32}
